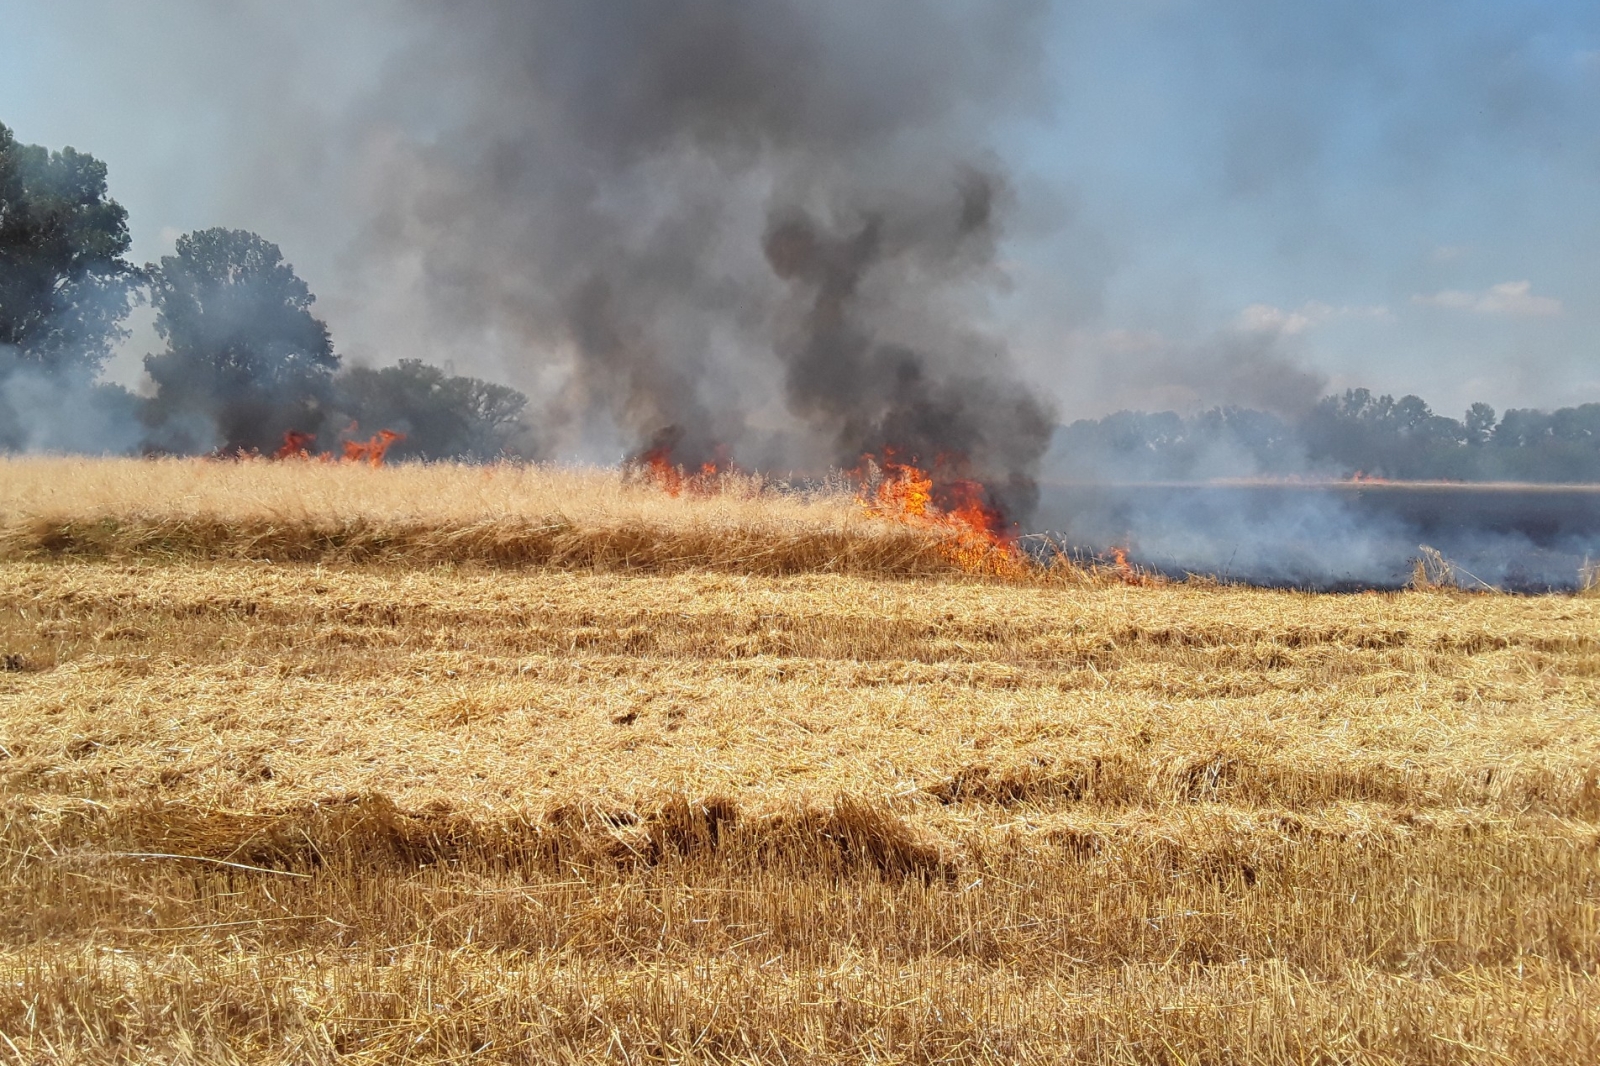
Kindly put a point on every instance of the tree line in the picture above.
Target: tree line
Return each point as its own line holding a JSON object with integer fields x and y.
{"x": 245, "y": 358}
{"x": 1344, "y": 435}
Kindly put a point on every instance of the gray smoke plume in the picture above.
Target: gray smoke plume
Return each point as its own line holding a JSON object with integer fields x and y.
{"x": 764, "y": 224}
{"x": 44, "y": 410}
{"x": 882, "y": 397}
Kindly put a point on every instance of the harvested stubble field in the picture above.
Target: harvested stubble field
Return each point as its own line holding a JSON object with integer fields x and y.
{"x": 271, "y": 794}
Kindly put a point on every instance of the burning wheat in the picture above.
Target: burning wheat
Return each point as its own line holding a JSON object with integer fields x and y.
{"x": 500, "y": 515}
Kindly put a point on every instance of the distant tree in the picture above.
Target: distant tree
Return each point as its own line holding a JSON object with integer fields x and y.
{"x": 1480, "y": 423}
{"x": 1355, "y": 431}
{"x": 243, "y": 348}
{"x": 64, "y": 284}
{"x": 1134, "y": 445}
{"x": 1381, "y": 435}
{"x": 1560, "y": 445}
{"x": 442, "y": 415}
{"x": 1522, "y": 428}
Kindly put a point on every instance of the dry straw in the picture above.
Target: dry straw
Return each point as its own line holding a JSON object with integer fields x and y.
{"x": 312, "y": 812}
{"x": 503, "y": 515}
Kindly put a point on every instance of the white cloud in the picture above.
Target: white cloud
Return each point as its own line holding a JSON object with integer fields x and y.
{"x": 1513, "y": 298}
{"x": 1265, "y": 318}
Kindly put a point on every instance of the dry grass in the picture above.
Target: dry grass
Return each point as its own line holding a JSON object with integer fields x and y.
{"x": 505, "y": 515}
{"x": 259, "y": 812}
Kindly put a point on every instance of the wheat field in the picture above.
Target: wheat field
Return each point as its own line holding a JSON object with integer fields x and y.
{"x": 269, "y": 797}
{"x": 501, "y": 515}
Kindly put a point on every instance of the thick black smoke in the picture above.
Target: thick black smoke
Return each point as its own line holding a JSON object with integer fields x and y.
{"x": 764, "y": 224}
{"x": 881, "y": 397}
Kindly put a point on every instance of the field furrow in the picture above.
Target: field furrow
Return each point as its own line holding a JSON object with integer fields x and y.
{"x": 273, "y": 812}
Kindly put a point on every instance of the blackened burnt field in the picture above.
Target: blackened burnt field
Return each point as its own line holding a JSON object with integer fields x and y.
{"x": 310, "y": 791}
{"x": 1347, "y": 535}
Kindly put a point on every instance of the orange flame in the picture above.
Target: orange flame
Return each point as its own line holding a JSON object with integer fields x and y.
{"x": 371, "y": 451}
{"x": 906, "y": 491}
{"x": 297, "y": 445}
{"x": 657, "y": 462}
{"x": 1129, "y": 574}
{"x": 1125, "y": 571}
{"x": 672, "y": 479}
{"x": 977, "y": 538}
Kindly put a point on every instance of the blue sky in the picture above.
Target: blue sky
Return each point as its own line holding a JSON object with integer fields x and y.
{"x": 1401, "y": 196}
{"x": 1406, "y": 192}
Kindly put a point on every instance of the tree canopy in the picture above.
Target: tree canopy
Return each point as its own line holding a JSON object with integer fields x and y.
{"x": 442, "y": 415}
{"x": 64, "y": 281}
{"x": 242, "y": 343}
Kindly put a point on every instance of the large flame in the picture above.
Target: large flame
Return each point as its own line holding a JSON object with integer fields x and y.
{"x": 976, "y": 535}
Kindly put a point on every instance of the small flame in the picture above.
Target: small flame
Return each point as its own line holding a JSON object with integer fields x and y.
{"x": 371, "y": 451}
{"x": 658, "y": 464}
{"x": 674, "y": 480}
{"x": 1125, "y": 571}
{"x": 298, "y": 445}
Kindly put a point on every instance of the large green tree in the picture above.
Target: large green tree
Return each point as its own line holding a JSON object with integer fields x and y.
{"x": 243, "y": 348}
{"x": 443, "y": 416}
{"x": 64, "y": 282}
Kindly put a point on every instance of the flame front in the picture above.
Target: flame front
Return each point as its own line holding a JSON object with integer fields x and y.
{"x": 905, "y": 491}
{"x": 977, "y": 537}
{"x": 974, "y": 534}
